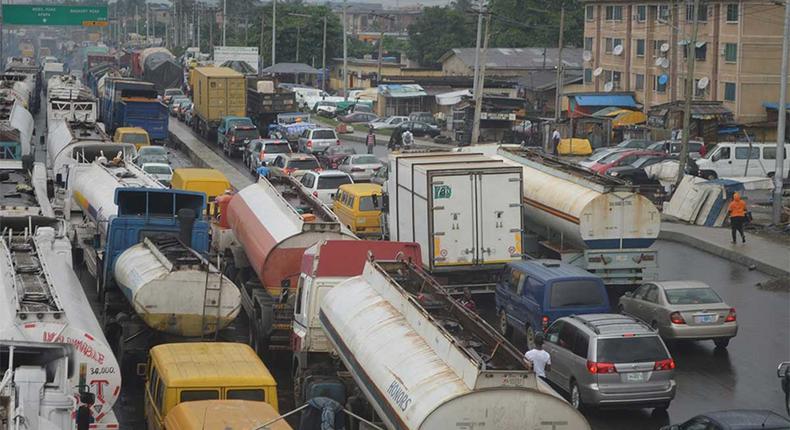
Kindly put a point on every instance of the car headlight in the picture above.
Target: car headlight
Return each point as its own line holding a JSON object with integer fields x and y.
{"x": 613, "y": 173}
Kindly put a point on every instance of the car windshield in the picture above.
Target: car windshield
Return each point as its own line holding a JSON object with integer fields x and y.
{"x": 239, "y": 122}
{"x": 277, "y": 148}
{"x": 366, "y": 159}
{"x": 370, "y": 203}
{"x": 323, "y": 134}
{"x": 306, "y": 164}
{"x": 635, "y": 349}
{"x": 576, "y": 293}
{"x": 692, "y": 296}
{"x": 138, "y": 138}
{"x": 153, "y": 150}
{"x": 157, "y": 170}
{"x": 246, "y": 134}
{"x": 333, "y": 182}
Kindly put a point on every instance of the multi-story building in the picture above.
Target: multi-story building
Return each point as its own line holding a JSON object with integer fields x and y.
{"x": 642, "y": 47}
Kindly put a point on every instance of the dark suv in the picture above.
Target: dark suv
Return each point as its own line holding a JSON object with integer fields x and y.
{"x": 237, "y": 138}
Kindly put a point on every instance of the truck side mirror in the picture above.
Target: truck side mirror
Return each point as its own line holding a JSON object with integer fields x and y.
{"x": 385, "y": 203}
{"x": 59, "y": 179}
{"x": 41, "y": 140}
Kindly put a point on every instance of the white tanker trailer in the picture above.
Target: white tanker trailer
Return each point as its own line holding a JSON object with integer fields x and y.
{"x": 425, "y": 362}
{"x": 170, "y": 285}
{"x": 41, "y": 300}
{"x": 76, "y": 142}
{"x": 69, "y": 99}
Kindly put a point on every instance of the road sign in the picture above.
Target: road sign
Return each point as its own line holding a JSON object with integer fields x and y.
{"x": 25, "y": 14}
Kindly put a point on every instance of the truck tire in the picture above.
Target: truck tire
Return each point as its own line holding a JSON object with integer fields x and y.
{"x": 504, "y": 327}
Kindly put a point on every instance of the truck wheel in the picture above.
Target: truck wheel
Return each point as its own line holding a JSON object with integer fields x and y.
{"x": 530, "y": 335}
{"x": 504, "y": 326}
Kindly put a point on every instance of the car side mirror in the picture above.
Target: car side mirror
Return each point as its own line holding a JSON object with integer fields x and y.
{"x": 716, "y": 157}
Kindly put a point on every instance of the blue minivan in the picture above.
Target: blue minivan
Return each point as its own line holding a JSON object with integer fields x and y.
{"x": 531, "y": 294}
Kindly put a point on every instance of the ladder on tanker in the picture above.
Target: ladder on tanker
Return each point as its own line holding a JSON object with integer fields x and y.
{"x": 31, "y": 280}
{"x": 212, "y": 303}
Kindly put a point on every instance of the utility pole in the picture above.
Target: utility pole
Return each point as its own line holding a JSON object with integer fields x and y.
{"x": 323, "y": 59}
{"x": 480, "y": 86}
{"x": 274, "y": 32}
{"x": 691, "y": 59}
{"x": 211, "y": 21}
{"x": 137, "y": 20}
{"x": 263, "y": 26}
{"x": 298, "y": 37}
{"x": 381, "y": 41}
{"x": 558, "y": 91}
{"x": 199, "y": 12}
{"x": 224, "y": 20}
{"x": 345, "y": 55}
{"x": 477, "y": 45}
{"x": 779, "y": 170}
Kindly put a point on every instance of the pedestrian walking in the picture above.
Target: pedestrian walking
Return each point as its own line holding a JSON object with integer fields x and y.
{"x": 540, "y": 359}
{"x": 737, "y": 210}
{"x": 371, "y": 140}
{"x": 555, "y": 141}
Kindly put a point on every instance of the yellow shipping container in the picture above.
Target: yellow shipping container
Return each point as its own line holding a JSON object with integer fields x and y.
{"x": 217, "y": 92}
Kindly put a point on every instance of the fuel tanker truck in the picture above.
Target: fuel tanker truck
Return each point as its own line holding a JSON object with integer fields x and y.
{"x": 42, "y": 300}
{"x": 422, "y": 361}
{"x": 145, "y": 245}
{"x": 262, "y": 234}
{"x": 599, "y": 223}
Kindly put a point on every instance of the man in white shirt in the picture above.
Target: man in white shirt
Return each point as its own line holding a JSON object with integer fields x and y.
{"x": 555, "y": 141}
{"x": 540, "y": 359}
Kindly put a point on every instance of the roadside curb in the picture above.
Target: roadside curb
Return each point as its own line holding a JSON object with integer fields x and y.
{"x": 726, "y": 253}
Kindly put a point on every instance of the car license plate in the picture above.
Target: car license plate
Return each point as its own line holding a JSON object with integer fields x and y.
{"x": 635, "y": 377}
{"x": 704, "y": 319}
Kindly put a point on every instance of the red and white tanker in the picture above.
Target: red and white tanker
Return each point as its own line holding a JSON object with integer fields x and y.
{"x": 266, "y": 227}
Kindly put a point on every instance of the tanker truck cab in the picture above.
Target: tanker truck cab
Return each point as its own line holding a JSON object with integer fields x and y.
{"x": 194, "y": 371}
{"x": 532, "y": 294}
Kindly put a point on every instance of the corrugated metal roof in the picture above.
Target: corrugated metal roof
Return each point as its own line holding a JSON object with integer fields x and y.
{"x": 621, "y": 100}
{"x": 402, "y": 91}
{"x": 288, "y": 68}
{"x": 519, "y": 58}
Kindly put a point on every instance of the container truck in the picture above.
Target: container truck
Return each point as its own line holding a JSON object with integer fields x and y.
{"x": 422, "y": 361}
{"x": 463, "y": 209}
{"x": 131, "y": 103}
{"x": 596, "y": 222}
{"x": 217, "y": 92}
{"x": 265, "y": 101}
{"x": 145, "y": 246}
{"x": 262, "y": 233}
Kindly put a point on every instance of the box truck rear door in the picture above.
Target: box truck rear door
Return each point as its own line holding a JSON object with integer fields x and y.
{"x": 499, "y": 217}
{"x": 453, "y": 220}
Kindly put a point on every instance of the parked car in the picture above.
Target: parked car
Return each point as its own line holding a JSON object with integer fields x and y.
{"x": 358, "y": 117}
{"x": 294, "y": 164}
{"x": 182, "y": 108}
{"x": 640, "y": 163}
{"x": 381, "y": 175}
{"x": 732, "y": 159}
{"x": 170, "y": 93}
{"x": 361, "y": 167}
{"x": 598, "y": 155}
{"x": 620, "y": 159}
{"x": 162, "y": 172}
{"x": 317, "y": 140}
{"x": 425, "y": 117}
{"x": 682, "y": 310}
{"x": 175, "y": 102}
{"x": 332, "y": 157}
{"x": 673, "y": 147}
{"x": 610, "y": 361}
{"x": 325, "y": 108}
{"x": 262, "y": 152}
{"x": 151, "y": 154}
{"x": 237, "y": 137}
{"x": 387, "y": 123}
{"x": 324, "y": 184}
{"x": 734, "y": 419}
{"x": 417, "y": 128}
{"x": 531, "y": 294}
{"x": 229, "y": 122}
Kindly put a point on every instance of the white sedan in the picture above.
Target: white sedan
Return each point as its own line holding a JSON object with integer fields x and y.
{"x": 388, "y": 122}
{"x": 160, "y": 171}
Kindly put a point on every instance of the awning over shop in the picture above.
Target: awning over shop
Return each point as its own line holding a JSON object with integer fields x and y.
{"x": 620, "y": 100}
{"x": 629, "y": 118}
{"x": 774, "y": 105}
{"x": 610, "y": 111}
{"x": 708, "y": 111}
{"x": 402, "y": 90}
{"x": 453, "y": 97}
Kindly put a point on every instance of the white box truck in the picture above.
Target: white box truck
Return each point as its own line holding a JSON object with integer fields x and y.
{"x": 464, "y": 209}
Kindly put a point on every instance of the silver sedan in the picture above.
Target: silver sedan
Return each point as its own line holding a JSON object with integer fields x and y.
{"x": 361, "y": 167}
{"x": 683, "y": 310}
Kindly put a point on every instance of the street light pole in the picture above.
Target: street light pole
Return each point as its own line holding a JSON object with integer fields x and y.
{"x": 558, "y": 92}
{"x": 274, "y": 32}
{"x": 323, "y": 59}
{"x": 781, "y": 125}
{"x": 480, "y": 86}
{"x": 477, "y": 46}
{"x": 224, "y": 20}
{"x": 298, "y": 36}
{"x": 691, "y": 58}
{"x": 345, "y": 55}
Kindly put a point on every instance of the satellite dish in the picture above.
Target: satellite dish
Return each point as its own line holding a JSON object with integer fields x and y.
{"x": 663, "y": 79}
{"x": 597, "y": 72}
{"x": 618, "y": 50}
{"x": 664, "y": 63}
{"x": 608, "y": 87}
{"x": 703, "y": 83}
{"x": 659, "y": 60}
{"x": 664, "y": 47}
{"x": 587, "y": 56}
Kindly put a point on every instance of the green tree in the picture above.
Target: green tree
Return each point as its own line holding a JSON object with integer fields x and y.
{"x": 535, "y": 23}
{"x": 436, "y": 31}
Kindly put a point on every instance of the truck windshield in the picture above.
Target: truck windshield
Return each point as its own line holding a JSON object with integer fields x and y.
{"x": 576, "y": 293}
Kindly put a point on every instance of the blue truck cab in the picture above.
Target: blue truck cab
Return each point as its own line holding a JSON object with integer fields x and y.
{"x": 531, "y": 294}
{"x": 134, "y": 103}
{"x": 146, "y": 212}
